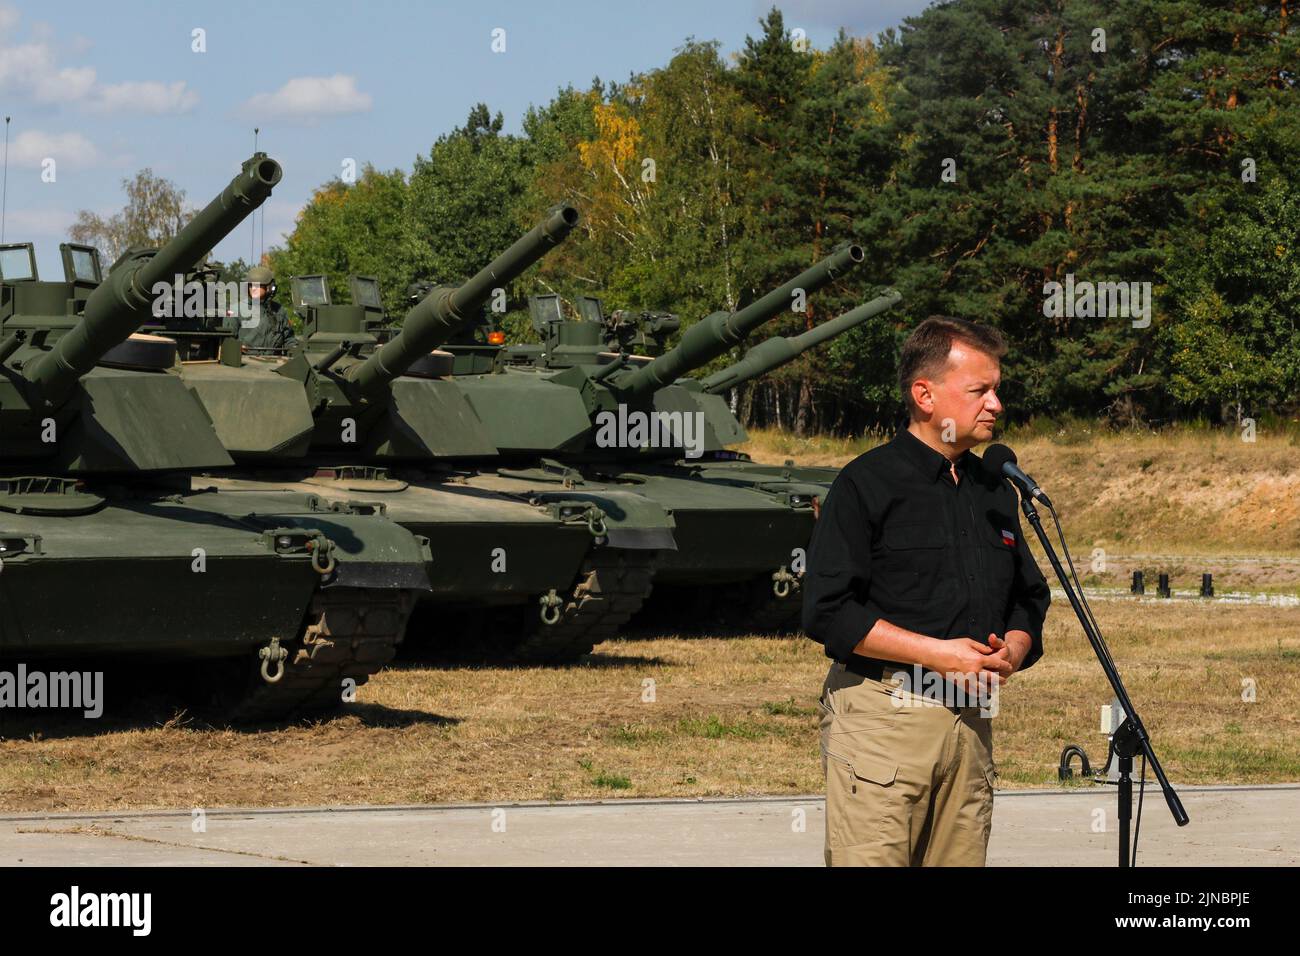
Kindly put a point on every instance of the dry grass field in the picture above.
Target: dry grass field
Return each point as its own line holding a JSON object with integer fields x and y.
{"x": 738, "y": 716}
{"x": 729, "y": 716}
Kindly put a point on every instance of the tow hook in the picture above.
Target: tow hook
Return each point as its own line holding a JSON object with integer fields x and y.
{"x": 783, "y": 582}
{"x": 551, "y": 603}
{"x": 273, "y": 655}
{"x": 322, "y": 556}
{"x": 297, "y": 541}
{"x": 575, "y": 512}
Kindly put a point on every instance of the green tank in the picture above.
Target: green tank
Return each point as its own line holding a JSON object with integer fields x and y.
{"x": 765, "y": 357}
{"x": 529, "y": 574}
{"x": 109, "y": 555}
{"x": 753, "y": 606}
{"x": 741, "y": 529}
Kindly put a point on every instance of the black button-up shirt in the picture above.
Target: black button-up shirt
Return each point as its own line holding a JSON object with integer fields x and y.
{"x": 896, "y": 539}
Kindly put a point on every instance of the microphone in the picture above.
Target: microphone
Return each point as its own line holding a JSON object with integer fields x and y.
{"x": 1002, "y": 460}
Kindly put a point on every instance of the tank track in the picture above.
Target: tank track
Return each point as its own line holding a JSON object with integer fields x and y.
{"x": 745, "y": 607}
{"x": 350, "y": 633}
{"x": 612, "y": 586}
{"x": 764, "y": 612}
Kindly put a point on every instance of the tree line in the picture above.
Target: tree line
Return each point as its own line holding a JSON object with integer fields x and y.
{"x": 1111, "y": 184}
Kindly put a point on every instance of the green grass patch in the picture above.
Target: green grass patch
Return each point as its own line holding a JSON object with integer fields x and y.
{"x": 787, "y": 708}
{"x": 714, "y": 727}
{"x": 603, "y": 778}
{"x": 635, "y": 734}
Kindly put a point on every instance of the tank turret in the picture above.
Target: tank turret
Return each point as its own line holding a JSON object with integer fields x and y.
{"x": 121, "y": 303}
{"x": 447, "y": 309}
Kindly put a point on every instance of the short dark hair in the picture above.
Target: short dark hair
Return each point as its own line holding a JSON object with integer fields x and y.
{"x": 925, "y": 353}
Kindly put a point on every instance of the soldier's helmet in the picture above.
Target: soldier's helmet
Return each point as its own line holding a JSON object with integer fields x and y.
{"x": 418, "y": 290}
{"x": 261, "y": 282}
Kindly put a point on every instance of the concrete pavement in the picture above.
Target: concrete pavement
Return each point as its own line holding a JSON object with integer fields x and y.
{"x": 1235, "y": 826}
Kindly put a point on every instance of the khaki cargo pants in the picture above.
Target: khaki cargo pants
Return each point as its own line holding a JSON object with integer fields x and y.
{"x": 906, "y": 785}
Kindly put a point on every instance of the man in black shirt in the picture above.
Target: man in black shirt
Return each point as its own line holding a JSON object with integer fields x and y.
{"x": 924, "y": 593}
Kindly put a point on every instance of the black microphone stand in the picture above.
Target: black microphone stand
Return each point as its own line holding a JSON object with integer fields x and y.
{"x": 1131, "y": 738}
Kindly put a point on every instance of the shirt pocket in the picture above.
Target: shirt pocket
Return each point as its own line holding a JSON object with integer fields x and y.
{"x": 914, "y": 563}
{"x": 1000, "y": 560}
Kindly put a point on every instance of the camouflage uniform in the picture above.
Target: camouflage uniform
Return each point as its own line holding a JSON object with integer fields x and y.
{"x": 268, "y": 328}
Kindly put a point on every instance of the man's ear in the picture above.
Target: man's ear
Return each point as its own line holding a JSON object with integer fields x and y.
{"x": 922, "y": 398}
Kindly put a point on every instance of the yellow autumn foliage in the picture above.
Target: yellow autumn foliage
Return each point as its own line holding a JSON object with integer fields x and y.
{"x": 618, "y": 139}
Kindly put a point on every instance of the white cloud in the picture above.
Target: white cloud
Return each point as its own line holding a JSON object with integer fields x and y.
{"x": 29, "y": 68}
{"x": 306, "y": 99}
{"x": 148, "y": 96}
{"x": 32, "y": 70}
{"x": 30, "y": 148}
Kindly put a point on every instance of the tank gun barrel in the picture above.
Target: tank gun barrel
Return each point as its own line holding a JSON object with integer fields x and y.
{"x": 713, "y": 335}
{"x": 779, "y": 350}
{"x": 121, "y": 303}
{"x": 448, "y": 309}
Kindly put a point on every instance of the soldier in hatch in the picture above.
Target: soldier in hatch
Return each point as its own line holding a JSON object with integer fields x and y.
{"x": 267, "y": 329}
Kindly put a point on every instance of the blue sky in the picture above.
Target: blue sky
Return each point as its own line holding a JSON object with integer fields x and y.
{"x": 105, "y": 89}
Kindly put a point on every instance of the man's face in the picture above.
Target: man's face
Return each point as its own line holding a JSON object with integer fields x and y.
{"x": 966, "y": 394}
{"x": 256, "y": 292}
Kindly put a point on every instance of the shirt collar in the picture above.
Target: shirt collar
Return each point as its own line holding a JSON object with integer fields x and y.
{"x": 934, "y": 465}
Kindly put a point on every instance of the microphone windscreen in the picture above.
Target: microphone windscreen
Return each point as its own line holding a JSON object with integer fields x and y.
{"x": 995, "y": 456}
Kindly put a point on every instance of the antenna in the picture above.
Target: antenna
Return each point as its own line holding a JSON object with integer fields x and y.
{"x": 252, "y": 222}
{"x": 261, "y": 242}
{"x": 4, "y": 191}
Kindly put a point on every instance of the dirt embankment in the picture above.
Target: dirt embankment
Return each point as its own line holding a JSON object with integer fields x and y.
{"x": 1188, "y": 492}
